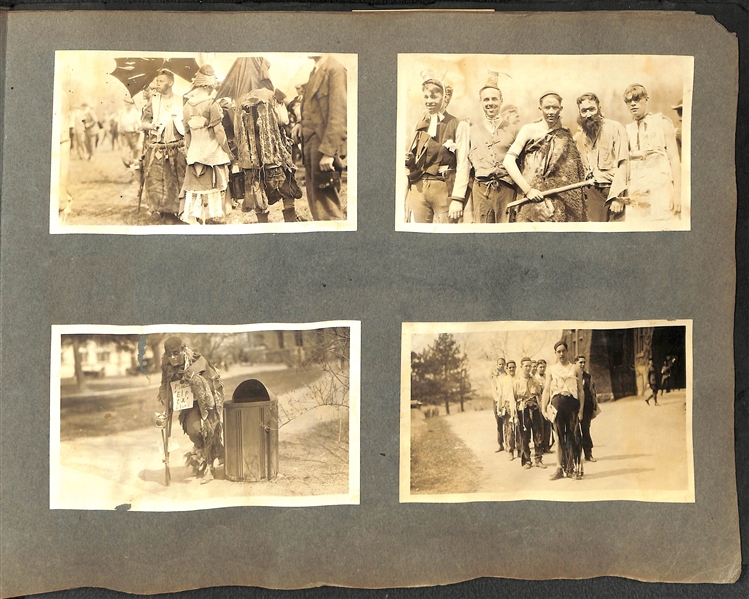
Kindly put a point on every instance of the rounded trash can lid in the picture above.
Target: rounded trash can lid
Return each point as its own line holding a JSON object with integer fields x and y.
{"x": 251, "y": 390}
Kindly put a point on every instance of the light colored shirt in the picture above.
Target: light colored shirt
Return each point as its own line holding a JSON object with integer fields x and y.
{"x": 563, "y": 380}
{"x": 167, "y": 116}
{"x": 603, "y": 155}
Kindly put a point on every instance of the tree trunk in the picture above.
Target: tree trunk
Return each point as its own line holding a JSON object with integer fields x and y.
{"x": 462, "y": 409}
{"x": 80, "y": 380}
{"x": 447, "y": 406}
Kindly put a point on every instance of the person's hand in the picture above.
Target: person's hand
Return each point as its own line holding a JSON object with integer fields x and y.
{"x": 296, "y": 133}
{"x": 616, "y": 206}
{"x": 326, "y": 163}
{"x": 456, "y": 210}
{"x": 534, "y": 195}
{"x": 580, "y": 415}
{"x": 675, "y": 207}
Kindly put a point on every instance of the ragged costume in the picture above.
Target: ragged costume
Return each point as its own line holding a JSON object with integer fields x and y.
{"x": 549, "y": 161}
{"x": 203, "y": 422}
{"x": 165, "y": 157}
{"x": 264, "y": 157}
{"x": 207, "y": 174}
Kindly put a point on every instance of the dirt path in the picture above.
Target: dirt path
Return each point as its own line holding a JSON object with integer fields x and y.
{"x": 641, "y": 452}
{"x": 126, "y": 470}
{"x": 105, "y": 192}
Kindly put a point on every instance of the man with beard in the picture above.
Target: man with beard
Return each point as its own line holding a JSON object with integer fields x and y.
{"x": 549, "y": 158}
{"x": 165, "y": 159}
{"x": 654, "y": 177}
{"x": 437, "y": 160}
{"x": 492, "y": 188}
{"x": 603, "y": 148}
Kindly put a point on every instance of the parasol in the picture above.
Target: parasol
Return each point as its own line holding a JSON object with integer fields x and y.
{"x": 246, "y": 74}
{"x": 137, "y": 73}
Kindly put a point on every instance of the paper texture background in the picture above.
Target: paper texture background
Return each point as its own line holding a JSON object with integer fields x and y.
{"x": 382, "y": 278}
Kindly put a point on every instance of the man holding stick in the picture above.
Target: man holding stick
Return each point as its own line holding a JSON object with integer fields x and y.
{"x": 551, "y": 166}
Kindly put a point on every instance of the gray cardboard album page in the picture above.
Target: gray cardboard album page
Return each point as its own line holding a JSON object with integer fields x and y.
{"x": 436, "y": 295}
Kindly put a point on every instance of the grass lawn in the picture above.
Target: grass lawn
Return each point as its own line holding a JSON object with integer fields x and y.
{"x": 111, "y": 414}
{"x": 441, "y": 462}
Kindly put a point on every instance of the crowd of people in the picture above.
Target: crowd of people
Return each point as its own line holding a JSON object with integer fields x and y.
{"x": 198, "y": 156}
{"x": 546, "y": 406}
{"x": 497, "y": 171}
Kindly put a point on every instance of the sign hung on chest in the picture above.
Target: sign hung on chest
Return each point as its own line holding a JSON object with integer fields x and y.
{"x": 182, "y": 397}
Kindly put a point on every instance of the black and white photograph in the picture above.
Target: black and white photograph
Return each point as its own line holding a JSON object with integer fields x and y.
{"x": 147, "y": 142}
{"x": 500, "y": 143}
{"x": 173, "y": 418}
{"x": 558, "y": 411}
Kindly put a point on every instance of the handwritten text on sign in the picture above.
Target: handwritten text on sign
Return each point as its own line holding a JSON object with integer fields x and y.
{"x": 182, "y": 397}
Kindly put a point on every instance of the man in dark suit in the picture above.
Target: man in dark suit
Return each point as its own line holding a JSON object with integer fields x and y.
{"x": 589, "y": 409}
{"x": 323, "y": 134}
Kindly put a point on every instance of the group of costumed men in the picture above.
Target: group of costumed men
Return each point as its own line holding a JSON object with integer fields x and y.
{"x": 203, "y": 156}
{"x": 540, "y": 403}
{"x": 541, "y": 172}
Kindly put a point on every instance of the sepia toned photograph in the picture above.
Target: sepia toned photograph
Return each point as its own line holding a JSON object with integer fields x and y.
{"x": 556, "y": 411}
{"x": 146, "y": 142}
{"x": 170, "y": 418}
{"x": 497, "y": 143}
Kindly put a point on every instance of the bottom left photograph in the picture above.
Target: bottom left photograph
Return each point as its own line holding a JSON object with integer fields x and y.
{"x": 184, "y": 417}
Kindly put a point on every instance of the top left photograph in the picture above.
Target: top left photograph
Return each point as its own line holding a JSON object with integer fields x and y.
{"x": 203, "y": 143}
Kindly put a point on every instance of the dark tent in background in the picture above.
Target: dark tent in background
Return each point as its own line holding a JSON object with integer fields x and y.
{"x": 245, "y": 75}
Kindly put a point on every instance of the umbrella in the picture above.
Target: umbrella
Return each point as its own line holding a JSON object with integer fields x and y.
{"x": 137, "y": 73}
{"x": 246, "y": 74}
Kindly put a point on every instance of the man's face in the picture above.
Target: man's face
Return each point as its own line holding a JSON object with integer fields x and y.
{"x": 550, "y": 109}
{"x": 542, "y": 369}
{"x": 491, "y": 102}
{"x": 176, "y": 357}
{"x": 581, "y": 363}
{"x": 511, "y": 369}
{"x": 433, "y": 97}
{"x": 588, "y": 109}
{"x": 638, "y": 108}
{"x": 561, "y": 353}
{"x": 526, "y": 366}
{"x": 162, "y": 84}
{"x": 501, "y": 365}
{"x": 534, "y": 367}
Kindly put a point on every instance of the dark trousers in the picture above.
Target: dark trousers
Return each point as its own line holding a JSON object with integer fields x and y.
{"x": 490, "y": 201}
{"x": 567, "y": 430}
{"x": 530, "y": 424}
{"x": 546, "y": 443}
{"x": 596, "y": 207}
{"x": 587, "y": 442}
{"x": 323, "y": 197}
{"x": 509, "y": 433}
{"x": 500, "y": 430}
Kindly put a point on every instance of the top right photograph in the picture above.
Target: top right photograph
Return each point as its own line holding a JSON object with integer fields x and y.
{"x": 500, "y": 143}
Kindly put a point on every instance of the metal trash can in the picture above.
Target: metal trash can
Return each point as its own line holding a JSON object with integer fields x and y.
{"x": 251, "y": 433}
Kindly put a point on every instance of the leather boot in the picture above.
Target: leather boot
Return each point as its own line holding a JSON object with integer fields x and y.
{"x": 262, "y": 217}
{"x": 289, "y": 215}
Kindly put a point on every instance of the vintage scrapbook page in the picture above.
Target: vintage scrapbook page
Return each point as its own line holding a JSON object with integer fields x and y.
{"x": 188, "y": 403}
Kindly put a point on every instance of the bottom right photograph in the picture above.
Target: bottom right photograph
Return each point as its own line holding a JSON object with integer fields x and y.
{"x": 557, "y": 411}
